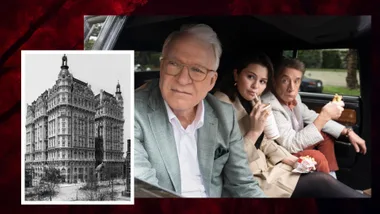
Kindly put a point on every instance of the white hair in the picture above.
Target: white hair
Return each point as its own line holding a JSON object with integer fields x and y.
{"x": 201, "y": 31}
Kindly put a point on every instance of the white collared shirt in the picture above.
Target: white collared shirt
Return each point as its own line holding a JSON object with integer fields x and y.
{"x": 186, "y": 142}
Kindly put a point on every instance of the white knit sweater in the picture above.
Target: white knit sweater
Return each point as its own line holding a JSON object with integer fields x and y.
{"x": 292, "y": 140}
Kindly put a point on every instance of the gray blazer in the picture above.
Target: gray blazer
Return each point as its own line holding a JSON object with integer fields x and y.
{"x": 222, "y": 160}
{"x": 292, "y": 140}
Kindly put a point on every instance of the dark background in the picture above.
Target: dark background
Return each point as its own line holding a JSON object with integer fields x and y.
{"x": 58, "y": 25}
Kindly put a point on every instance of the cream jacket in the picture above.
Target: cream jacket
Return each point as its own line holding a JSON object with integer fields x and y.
{"x": 274, "y": 177}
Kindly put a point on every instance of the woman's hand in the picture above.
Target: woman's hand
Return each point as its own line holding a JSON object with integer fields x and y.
{"x": 290, "y": 160}
{"x": 258, "y": 118}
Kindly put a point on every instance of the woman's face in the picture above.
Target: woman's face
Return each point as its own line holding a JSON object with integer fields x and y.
{"x": 251, "y": 81}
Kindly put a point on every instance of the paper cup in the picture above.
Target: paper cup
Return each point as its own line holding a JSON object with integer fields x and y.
{"x": 270, "y": 129}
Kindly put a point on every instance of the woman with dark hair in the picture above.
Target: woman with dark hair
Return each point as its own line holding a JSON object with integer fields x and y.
{"x": 270, "y": 163}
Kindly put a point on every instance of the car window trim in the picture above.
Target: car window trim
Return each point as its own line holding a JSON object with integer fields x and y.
{"x": 109, "y": 33}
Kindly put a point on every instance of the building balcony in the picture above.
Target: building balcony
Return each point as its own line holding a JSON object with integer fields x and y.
{"x": 105, "y": 115}
{"x": 64, "y": 114}
{"x": 61, "y": 103}
{"x": 29, "y": 122}
{"x": 70, "y": 159}
{"x": 114, "y": 160}
{"x": 91, "y": 110}
{"x": 39, "y": 117}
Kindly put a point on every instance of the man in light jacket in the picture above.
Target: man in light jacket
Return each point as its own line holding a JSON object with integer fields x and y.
{"x": 186, "y": 140}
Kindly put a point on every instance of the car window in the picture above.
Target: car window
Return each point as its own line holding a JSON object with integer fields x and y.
{"x": 93, "y": 36}
{"x": 93, "y": 25}
{"x": 329, "y": 71}
{"x": 288, "y": 53}
{"x": 147, "y": 61}
{"x": 101, "y": 32}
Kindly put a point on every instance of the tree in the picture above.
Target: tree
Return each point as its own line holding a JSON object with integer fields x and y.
{"x": 28, "y": 177}
{"x": 94, "y": 192}
{"x": 49, "y": 182}
{"x": 288, "y": 53}
{"x": 92, "y": 182}
{"x": 39, "y": 191}
{"x": 111, "y": 175}
{"x": 89, "y": 43}
{"x": 351, "y": 79}
{"x": 331, "y": 59}
{"x": 91, "y": 188}
{"x": 311, "y": 58}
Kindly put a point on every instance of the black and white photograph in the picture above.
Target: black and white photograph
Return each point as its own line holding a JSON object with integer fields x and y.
{"x": 77, "y": 127}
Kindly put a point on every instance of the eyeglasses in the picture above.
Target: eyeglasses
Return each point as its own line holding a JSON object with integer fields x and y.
{"x": 196, "y": 72}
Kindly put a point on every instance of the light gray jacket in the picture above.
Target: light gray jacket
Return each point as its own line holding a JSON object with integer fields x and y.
{"x": 296, "y": 141}
{"x": 222, "y": 160}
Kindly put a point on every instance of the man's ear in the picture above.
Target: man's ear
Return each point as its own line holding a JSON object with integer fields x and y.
{"x": 161, "y": 67}
{"x": 213, "y": 79}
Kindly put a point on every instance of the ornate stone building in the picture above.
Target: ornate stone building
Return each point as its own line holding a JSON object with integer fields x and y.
{"x": 127, "y": 169}
{"x": 109, "y": 124}
{"x": 36, "y": 134}
{"x": 60, "y": 128}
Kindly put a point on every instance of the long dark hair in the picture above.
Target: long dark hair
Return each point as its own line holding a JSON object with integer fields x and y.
{"x": 227, "y": 86}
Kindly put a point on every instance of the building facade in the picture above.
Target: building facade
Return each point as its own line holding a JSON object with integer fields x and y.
{"x": 110, "y": 132}
{"x": 61, "y": 129}
{"x": 127, "y": 170}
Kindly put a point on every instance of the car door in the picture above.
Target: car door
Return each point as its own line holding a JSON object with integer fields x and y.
{"x": 351, "y": 117}
{"x": 354, "y": 168}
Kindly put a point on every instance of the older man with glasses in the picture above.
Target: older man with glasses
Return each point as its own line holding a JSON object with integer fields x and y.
{"x": 186, "y": 140}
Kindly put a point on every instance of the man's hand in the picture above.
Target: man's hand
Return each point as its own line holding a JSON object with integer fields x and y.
{"x": 332, "y": 110}
{"x": 357, "y": 142}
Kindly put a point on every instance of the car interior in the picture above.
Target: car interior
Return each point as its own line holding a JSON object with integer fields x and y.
{"x": 241, "y": 35}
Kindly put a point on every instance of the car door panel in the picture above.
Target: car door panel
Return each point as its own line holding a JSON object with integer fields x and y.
{"x": 351, "y": 117}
